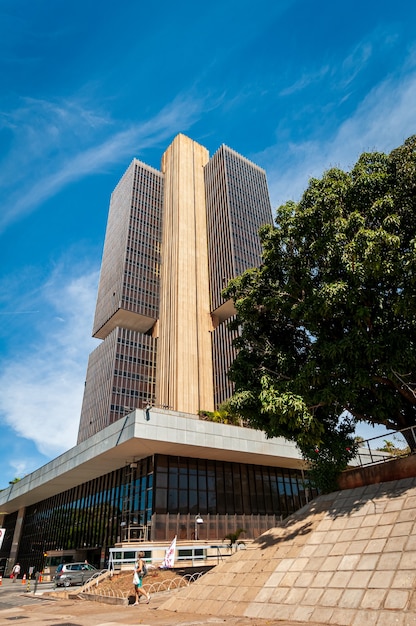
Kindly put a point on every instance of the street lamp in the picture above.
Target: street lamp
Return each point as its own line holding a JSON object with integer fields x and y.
{"x": 198, "y": 520}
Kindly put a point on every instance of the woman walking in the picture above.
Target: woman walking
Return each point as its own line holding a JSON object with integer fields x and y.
{"x": 139, "y": 572}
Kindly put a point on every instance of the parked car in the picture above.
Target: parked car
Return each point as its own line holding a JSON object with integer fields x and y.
{"x": 73, "y": 574}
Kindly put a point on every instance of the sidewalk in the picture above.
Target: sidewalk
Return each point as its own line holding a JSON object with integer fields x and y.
{"x": 42, "y": 611}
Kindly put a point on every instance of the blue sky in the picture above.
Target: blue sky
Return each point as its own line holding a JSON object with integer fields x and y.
{"x": 295, "y": 86}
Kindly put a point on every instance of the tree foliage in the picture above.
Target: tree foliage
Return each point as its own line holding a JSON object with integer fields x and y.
{"x": 328, "y": 322}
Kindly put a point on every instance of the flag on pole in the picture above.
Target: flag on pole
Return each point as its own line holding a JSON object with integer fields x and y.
{"x": 169, "y": 559}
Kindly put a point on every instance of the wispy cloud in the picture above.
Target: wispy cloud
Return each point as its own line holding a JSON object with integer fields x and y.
{"x": 42, "y": 382}
{"x": 54, "y": 144}
{"x": 304, "y": 81}
{"x": 381, "y": 122}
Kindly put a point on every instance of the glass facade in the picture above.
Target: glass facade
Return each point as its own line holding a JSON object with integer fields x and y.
{"x": 156, "y": 499}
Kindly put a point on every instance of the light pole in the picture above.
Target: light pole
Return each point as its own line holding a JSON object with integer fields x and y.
{"x": 198, "y": 520}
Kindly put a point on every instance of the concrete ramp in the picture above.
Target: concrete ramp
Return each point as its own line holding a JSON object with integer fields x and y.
{"x": 347, "y": 558}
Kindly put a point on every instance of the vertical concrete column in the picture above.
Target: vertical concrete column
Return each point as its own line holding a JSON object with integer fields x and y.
{"x": 17, "y": 535}
{"x": 184, "y": 361}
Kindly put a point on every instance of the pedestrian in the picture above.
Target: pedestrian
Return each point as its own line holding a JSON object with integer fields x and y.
{"x": 16, "y": 572}
{"x": 139, "y": 572}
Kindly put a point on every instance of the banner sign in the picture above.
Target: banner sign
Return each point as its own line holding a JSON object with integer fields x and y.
{"x": 169, "y": 559}
{"x": 2, "y": 533}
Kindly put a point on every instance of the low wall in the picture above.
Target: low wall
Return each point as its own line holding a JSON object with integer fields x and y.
{"x": 395, "y": 469}
{"x": 104, "y": 599}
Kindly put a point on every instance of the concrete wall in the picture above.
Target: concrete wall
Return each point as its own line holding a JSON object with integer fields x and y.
{"x": 396, "y": 469}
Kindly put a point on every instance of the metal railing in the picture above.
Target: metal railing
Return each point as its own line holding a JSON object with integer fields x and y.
{"x": 391, "y": 445}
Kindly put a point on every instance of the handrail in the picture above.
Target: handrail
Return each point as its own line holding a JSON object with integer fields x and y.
{"x": 403, "y": 443}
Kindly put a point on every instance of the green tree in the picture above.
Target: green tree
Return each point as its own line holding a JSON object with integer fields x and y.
{"x": 233, "y": 538}
{"x": 394, "y": 450}
{"x": 328, "y": 322}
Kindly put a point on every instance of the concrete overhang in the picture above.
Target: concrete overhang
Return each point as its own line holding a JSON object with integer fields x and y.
{"x": 135, "y": 437}
{"x": 223, "y": 312}
{"x": 125, "y": 319}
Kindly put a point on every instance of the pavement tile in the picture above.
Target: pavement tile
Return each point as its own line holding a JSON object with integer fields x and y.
{"x": 395, "y": 544}
{"x": 364, "y": 532}
{"x": 359, "y": 580}
{"x": 348, "y": 534}
{"x": 351, "y": 598}
{"x": 371, "y": 520}
{"x": 241, "y": 593}
{"x": 394, "y": 505}
{"x": 332, "y": 536}
{"x": 331, "y": 564}
{"x": 330, "y": 597}
{"x": 389, "y": 561}
{"x": 279, "y": 595}
{"x": 340, "y": 579}
{"x": 299, "y": 564}
{"x": 396, "y": 599}
{"x": 349, "y": 562}
{"x": 325, "y": 524}
{"x": 389, "y": 518}
{"x": 322, "y": 614}
{"x": 307, "y": 551}
{"x": 381, "y": 580}
{"x": 295, "y": 595}
{"x": 356, "y": 547}
{"x": 373, "y": 599}
{"x": 354, "y": 522}
{"x": 302, "y": 613}
{"x": 305, "y": 579}
{"x": 369, "y": 618}
{"x": 265, "y": 594}
{"x": 274, "y": 579}
{"x": 408, "y": 560}
{"x": 284, "y": 565}
{"x": 268, "y": 611}
{"x": 224, "y": 592}
{"x": 253, "y": 609}
{"x": 339, "y": 548}
{"x": 316, "y": 538}
{"x": 387, "y": 618}
{"x": 343, "y": 617}
{"x": 380, "y": 532}
{"x": 321, "y": 579}
{"x": 312, "y": 596}
{"x": 411, "y": 542}
{"x": 375, "y": 545}
{"x": 232, "y": 608}
{"x": 404, "y": 580}
{"x": 289, "y": 579}
{"x": 323, "y": 550}
{"x": 406, "y": 515}
{"x": 402, "y": 528}
{"x": 410, "y": 502}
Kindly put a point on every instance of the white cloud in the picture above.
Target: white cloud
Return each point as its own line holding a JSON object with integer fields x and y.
{"x": 55, "y": 144}
{"x": 383, "y": 120}
{"x": 305, "y": 80}
{"x": 45, "y": 380}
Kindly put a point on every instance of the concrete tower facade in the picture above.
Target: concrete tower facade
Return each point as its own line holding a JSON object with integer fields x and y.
{"x": 174, "y": 238}
{"x": 184, "y": 364}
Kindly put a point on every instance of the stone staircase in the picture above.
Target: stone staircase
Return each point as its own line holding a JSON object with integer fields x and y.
{"x": 347, "y": 558}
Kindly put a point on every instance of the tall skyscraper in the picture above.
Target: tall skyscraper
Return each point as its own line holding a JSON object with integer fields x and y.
{"x": 174, "y": 239}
